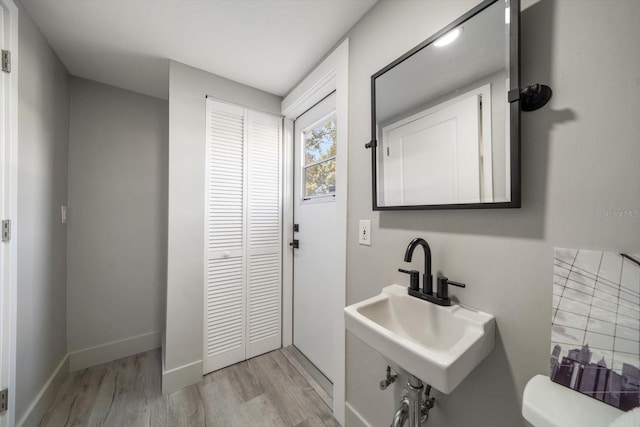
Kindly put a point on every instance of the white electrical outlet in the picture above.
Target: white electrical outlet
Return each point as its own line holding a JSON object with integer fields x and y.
{"x": 364, "y": 232}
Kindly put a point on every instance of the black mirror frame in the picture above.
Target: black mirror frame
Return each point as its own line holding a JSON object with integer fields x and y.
{"x": 514, "y": 113}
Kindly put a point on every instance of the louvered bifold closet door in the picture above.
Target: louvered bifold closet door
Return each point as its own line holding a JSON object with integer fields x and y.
{"x": 225, "y": 237}
{"x": 264, "y": 269}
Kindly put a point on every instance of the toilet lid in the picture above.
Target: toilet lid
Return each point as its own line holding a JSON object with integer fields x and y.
{"x": 547, "y": 404}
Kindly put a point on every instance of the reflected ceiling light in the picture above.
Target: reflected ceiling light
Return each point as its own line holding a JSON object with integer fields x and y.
{"x": 448, "y": 38}
{"x": 507, "y": 15}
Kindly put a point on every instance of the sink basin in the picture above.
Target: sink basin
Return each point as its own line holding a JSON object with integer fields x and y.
{"x": 440, "y": 345}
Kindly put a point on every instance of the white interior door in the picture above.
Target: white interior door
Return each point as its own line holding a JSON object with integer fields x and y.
{"x": 314, "y": 266}
{"x": 264, "y": 233}
{"x": 436, "y": 156}
{"x": 225, "y": 290}
{"x": 243, "y": 234}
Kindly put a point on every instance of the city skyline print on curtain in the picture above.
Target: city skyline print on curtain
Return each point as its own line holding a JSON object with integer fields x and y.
{"x": 595, "y": 332}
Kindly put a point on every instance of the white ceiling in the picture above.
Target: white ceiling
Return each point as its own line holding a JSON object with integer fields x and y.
{"x": 266, "y": 44}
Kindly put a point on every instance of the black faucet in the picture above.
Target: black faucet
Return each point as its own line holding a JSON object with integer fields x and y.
{"x": 442, "y": 296}
{"x": 427, "y": 278}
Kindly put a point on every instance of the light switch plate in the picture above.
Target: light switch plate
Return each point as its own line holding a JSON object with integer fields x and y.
{"x": 364, "y": 232}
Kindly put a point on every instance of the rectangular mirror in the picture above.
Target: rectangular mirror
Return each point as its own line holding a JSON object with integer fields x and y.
{"x": 444, "y": 134}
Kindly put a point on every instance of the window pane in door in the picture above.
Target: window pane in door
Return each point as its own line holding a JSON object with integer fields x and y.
{"x": 320, "y": 142}
{"x": 320, "y": 179}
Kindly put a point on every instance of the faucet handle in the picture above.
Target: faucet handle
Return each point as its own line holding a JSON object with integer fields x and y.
{"x": 443, "y": 286}
{"x": 458, "y": 284}
{"x": 414, "y": 278}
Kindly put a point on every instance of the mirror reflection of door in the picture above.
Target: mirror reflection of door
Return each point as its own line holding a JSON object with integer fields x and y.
{"x": 437, "y": 156}
{"x": 479, "y": 49}
{"x": 314, "y": 265}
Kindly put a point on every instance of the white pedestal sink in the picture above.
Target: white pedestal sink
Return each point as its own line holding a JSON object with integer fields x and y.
{"x": 440, "y": 345}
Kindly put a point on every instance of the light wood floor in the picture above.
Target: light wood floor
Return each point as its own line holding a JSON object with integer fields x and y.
{"x": 264, "y": 391}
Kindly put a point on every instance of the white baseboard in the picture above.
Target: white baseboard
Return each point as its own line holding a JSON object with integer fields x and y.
{"x": 82, "y": 359}
{"x": 114, "y": 350}
{"x": 181, "y": 377}
{"x": 352, "y": 418}
{"x": 41, "y": 403}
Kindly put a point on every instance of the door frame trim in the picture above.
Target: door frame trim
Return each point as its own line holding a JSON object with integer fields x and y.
{"x": 332, "y": 74}
{"x": 9, "y": 210}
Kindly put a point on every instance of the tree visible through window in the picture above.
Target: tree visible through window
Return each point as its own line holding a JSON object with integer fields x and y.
{"x": 320, "y": 159}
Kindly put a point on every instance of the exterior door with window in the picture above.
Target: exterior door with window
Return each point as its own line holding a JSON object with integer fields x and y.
{"x": 314, "y": 265}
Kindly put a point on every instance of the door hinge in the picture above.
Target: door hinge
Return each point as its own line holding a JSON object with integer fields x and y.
{"x": 6, "y": 230}
{"x": 4, "y": 399}
{"x": 6, "y": 61}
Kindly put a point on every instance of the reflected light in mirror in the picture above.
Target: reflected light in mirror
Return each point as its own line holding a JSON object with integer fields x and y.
{"x": 448, "y": 38}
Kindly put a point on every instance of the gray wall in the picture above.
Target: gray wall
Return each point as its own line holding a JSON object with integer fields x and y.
{"x": 581, "y": 157}
{"x": 118, "y": 143}
{"x": 43, "y": 130}
{"x": 185, "y": 277}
